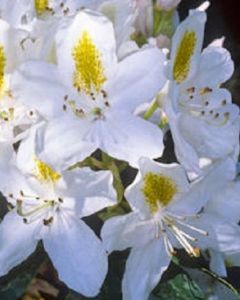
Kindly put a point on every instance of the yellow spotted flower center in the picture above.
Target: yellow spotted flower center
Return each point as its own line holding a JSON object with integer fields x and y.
{"x": 89, "y": 71}
{"x": 2, "y": 68}
{"x": 41, "y": 6}
{"x": 183, "y": 57}
{"x": 158, "y": 190}
{"x": 45, "y": 173}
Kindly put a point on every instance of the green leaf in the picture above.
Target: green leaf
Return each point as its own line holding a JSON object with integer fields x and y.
{"x": 180, "y": 287}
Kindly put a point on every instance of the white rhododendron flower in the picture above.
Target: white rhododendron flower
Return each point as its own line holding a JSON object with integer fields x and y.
{"x": 110, "y": 140}
{"x": 195, "y": 97}
{"x": 47, "y": 205}
{"x": 167, "y": 214}
{"x": 91, "y": 96}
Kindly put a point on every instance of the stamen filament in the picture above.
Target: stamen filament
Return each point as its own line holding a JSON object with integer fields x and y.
{"x": 33, "y": 211}
{"x": 203, "y": 232}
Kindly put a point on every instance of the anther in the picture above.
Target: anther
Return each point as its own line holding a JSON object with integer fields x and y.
{"x": 191, "y": 90}
{"x": 224, "y": 102}
{"x": 47, "y": 222}
{"x": 104, "y": 94}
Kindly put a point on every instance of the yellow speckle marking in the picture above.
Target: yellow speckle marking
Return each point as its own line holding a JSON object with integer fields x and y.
{"x": 41, "y": 6}
{"x": 158, "y": 190}
{"x": 45, "y": 173}
{"x": 2, "y": 68}
{"x": 183, "y": 57}
{"x": 89, "y": 71}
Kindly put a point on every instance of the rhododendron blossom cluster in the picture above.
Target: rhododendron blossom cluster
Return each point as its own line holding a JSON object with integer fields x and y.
{"x": 89, "y": 91}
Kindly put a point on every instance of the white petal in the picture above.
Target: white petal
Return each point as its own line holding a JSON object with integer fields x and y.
{"x": 217, "y": 263}
{"x": 226, "y": 202}
{"x": 18, "y": 240}
{"x": 223, "y": 236}
{"x": 210, "y": 140}
{"x": 185, "y": 152}
{"x": 128, "y": 138}
{"x": 64, "y": 142}
{"x": 122, "y": 14}
{"x": 93, "y": 191}
{"x": 36, "y": 85}
{"x": 119, "y": 233}
{"x": 144, "y": 269}
{"x": 134, "y": 196}
{"x": 193, "y": 24}
{"x": 216, "y": 67}
{"x": 205, "y": 189}
{"x": 139, "y": 78}
{"x": 228, "y": 236}
{"x": 15, "y": 12}
{"x": 77, "y": 254}
{"x": 100, "y": 30}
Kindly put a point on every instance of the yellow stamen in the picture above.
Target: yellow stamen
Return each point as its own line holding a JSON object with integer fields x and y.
{"x": 158, "y": 190}
{"x": 2, "y": 68}
{"x": 183, "y": 57}
{"x": 45, "y": 173}
{"x": 41, "y": 6}
{"x": 89, "y": 73}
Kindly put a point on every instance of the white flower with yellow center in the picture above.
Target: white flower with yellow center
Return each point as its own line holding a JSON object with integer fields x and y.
{"x": 91, "y": 97}
{"x": 203, "y": 121}
{"x": 47, "y": 205}
{"x": 166, "y": 212}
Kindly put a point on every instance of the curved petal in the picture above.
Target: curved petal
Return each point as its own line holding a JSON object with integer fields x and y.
{"x": 93, "y": 191}
{"x": 122, "y": 14}
{"x": 77, "y": 254}
{"x": 184, "y": 151}
{"x": 144, "y": 269}
{"x": 128, "y": 138}
{"x": 18, "y": 240}
{"x": 216, "y": 67}
{"x": 64, "y": 142}
{"x": 119, "y": 233}
{"x": 204, "y": 189}
{"x": 226, "y": 202}
{"x": 139, "y": 78}
{"x": 135, "y": 197}
{"x": 89, "y": 33}
{"x": 217, "y": 263}
{"x": 36, "y": 85}
{"x": 186, "y": 47}
{"x": 211, "y": 141}
{"x": 222, "y": 235}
